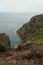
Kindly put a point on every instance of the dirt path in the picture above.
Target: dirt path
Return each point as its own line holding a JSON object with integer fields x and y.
{"x": 15, "y": 57}
{"x": 14, "y": 54}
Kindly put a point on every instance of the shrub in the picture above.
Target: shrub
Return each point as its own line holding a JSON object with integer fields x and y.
{"x": 2, "y": 48}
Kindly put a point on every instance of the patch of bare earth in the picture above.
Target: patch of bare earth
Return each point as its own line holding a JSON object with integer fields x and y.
{"x": 23, "y": 57}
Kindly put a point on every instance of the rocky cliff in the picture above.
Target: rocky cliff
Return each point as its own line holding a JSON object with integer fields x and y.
{"x": 4, "y": 40}
{"x": 34, "y": 28}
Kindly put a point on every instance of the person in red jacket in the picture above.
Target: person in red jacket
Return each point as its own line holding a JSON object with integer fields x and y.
{"x": 20, "y": 47}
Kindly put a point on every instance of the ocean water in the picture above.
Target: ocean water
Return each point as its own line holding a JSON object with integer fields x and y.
{"x": 11, "y": 22}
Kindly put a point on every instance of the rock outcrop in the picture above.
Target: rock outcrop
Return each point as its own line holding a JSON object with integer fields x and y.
{"x": 4, "y": 40}
{"x": 32, "y": 26}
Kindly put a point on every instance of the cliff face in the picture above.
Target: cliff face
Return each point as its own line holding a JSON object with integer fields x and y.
{"x": 4, "y": 40}
{"x": 33, "y": 28}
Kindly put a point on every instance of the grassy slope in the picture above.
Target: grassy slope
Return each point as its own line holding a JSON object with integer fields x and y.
{"x": 35, "y": 37}
{"x": 35, "y": 30}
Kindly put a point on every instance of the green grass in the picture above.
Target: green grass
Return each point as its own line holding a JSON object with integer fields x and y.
{"x": 36, "y": 37}
{"x": 5, "y": 63}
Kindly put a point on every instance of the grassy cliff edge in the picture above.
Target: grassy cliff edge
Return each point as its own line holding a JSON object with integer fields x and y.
{"x": 33, "y": 30}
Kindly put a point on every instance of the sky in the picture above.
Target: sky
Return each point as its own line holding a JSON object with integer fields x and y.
{"x": 21, "y": 5}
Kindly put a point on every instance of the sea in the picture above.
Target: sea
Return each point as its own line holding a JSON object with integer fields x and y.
{"x": 10, "y": 22}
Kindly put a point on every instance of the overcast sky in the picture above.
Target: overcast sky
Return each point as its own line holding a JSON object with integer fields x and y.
{"x": 21, "y": 5}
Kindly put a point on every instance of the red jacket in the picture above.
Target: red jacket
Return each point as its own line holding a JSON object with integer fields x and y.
{"x": 19, "y": 46}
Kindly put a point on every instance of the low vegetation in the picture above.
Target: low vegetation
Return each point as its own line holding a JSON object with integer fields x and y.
{"x": 5, "y": 63}
{"x": 4, "y": 40}
{"x": 2, "y": 48}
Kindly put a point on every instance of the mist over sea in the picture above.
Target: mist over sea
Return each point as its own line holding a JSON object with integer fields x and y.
{"x": 10, "y": 22}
